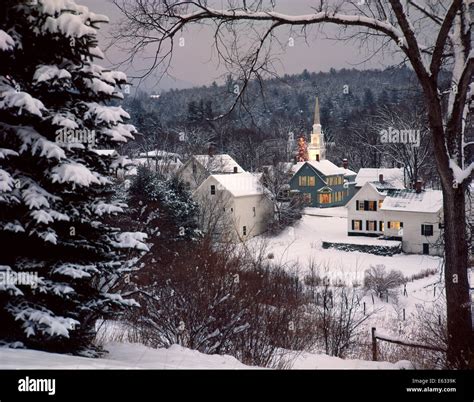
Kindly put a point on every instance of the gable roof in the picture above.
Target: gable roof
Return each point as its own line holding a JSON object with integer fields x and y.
{"x": 240, "y": 184}
{"x": 218, "y": 163}
{"x": 326, "y": 168}
{"x": 430, "y": 201}
{"x": 393, "y": 177}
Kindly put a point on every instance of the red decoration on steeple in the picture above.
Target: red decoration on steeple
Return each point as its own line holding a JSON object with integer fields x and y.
{"x": 302, "y": 150}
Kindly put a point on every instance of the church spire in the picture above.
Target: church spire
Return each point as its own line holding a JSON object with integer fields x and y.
{"x": 316, "y": 112}
{"x": 317, "y": 148}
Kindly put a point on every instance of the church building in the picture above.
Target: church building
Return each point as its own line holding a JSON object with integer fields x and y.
{"x": 321, "y": 182}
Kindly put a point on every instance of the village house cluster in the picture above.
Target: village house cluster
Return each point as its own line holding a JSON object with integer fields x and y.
{"x": 236, "y": 203}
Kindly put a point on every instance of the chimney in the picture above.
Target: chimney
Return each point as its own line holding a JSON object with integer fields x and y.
{"x": 210, "y": 150}
{"x": 418, "y": 185}
{"x": 381, "y": 178}
{"x": 345, "y": 163}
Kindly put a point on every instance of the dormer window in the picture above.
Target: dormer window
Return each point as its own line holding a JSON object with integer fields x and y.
{"x": 213, "y": 189}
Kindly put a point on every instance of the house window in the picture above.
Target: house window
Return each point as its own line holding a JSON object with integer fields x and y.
{"x": 371, "y": 226}
{"x": 356, "y": 225}
{"x": 427, "y": 230}
{"x": 381, "y": 226}
{"x": 380, "y": 203}
{"x": 372, "y": 205}
{"x": 254, "y": 211}
{"x": 395, "y": 225}
{"x": 302, "y": 181}
{"x": 194, "y": 168}
{"x": 325, "y": 198}
{"x": 213, "y": 189}
{"x": 244, "y": 230}
{"x": 235, "y": 169}
{"x": 311, "y": 181}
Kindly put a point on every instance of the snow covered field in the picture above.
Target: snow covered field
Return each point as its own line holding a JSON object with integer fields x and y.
{"x": 135, "y": 356}
{"x": 303, "y": 243}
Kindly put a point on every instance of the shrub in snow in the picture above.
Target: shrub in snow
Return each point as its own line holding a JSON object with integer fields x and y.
{"x": 380, "y": 281}
{"x": 220, "y": 300}
{"x": 55, "y": 195}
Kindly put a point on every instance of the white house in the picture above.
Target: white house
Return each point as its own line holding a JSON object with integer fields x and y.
{"x": 364, "y": 217}
{"x": 412, "y": 216}
{"x": 415, "y": 217}
{"x": 233, "y": 205}
{"x": 199, "y": 167}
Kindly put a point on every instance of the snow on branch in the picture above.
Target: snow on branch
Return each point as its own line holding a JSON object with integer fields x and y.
{"x": 460, "y": 174}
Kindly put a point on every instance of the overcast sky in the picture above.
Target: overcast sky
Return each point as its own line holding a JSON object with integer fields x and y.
{"x": 196, "y": 63}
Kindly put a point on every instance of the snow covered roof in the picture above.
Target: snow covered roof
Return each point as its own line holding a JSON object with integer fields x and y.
{"x": 159, "y": 152}
{"x": 106, "y": 152}
{"x": 326, "y": 167}
{"x": 240, "y": 184}
{"x": 393, "y": 177}
{"x": 219, "y": 163}
{"x": 349, "y": 172}
{"x": 430, "y": 201}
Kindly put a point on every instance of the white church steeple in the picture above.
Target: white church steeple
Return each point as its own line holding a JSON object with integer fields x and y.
{"x": 317, "y": 147}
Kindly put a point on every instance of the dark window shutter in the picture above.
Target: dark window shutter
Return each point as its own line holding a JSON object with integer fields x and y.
{"x": 357, "y": 205}
{"x": 388, "y": 224}
{"x": 401, "y": 224}
{"x": 353, "y": 222}
{"x": 366, "y": 205}
{"x": 422, "y": 230}
{"x": 375, "y": 205}
{"x": 366, "y": 225}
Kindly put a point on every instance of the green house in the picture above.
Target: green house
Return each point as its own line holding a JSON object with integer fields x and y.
{"x": 323, "y": 184}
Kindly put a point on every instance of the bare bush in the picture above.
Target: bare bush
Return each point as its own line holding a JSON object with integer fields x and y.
{"x": 221, "y": 300}
{"x": 339, "y": 319}
{"x": 380, "y": 281}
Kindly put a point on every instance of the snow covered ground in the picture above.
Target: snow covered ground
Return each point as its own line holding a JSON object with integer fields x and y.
{"x": 303, "y": 243}
{"x": 121, "y": 356}
{"x": 136, "y": 356}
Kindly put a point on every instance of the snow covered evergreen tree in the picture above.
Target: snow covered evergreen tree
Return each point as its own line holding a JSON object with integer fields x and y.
{"x": 54, "y": 188}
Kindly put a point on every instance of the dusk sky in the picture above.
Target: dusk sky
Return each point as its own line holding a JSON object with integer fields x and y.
{"x": 196, "y": 62}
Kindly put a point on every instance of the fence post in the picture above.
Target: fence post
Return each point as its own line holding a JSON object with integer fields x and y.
{"x": 374, "y": 345}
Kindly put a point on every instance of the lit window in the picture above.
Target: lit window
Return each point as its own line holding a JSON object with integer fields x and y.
{"x": 395, "y": 225}
{"x": 325, "y": 198}
{"x": 302, "y": 181}
{"x": 311, "y": 181}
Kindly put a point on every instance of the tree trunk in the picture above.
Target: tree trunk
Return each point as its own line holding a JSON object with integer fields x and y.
{"x": 460, "y": 352}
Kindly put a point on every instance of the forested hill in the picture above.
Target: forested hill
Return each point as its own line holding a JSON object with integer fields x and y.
{"x": 277, "y": 107}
